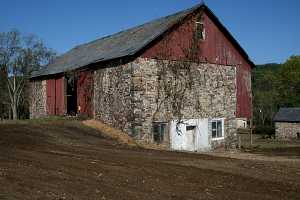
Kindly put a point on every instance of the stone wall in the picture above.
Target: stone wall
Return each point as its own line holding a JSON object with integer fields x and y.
{"x": 112, "y": 96}
{"x": 38, "y": 98}
{"x": 287, "y": 131}
{"x": 165, "y": 90}
{"x": 134, "y": 95}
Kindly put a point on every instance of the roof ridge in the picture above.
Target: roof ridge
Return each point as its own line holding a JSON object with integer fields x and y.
{"x": 127, "y": 42}
{"x": 141, "y": 25}
{"x": 106, "y": 50}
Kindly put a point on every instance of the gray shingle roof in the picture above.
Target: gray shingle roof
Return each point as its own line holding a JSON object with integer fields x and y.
{"x": 121, "y": 44}
{"x": 125, "y": 43}
{"x": 288, "y": 115}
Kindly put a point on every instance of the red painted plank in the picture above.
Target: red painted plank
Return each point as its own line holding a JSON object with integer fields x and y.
{"x": 51, "y": 97}
{"x": 59, "y": 97}
{"x": 85, "y": 93}
{"x": 55, "y": 96}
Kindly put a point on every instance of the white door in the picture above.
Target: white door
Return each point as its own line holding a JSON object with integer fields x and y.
{"x": 190, "y": 136}
{"x": 202, "y": 135}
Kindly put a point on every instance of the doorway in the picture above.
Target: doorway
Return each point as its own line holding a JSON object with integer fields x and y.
{"x": 190, "y": 137}
{"x": 71, "y": 91}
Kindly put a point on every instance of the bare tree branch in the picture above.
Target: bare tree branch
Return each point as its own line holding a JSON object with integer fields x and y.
{"x": 19, "y": 57}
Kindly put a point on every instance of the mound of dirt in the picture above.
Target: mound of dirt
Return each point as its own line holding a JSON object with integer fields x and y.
{"x": 110, "y": 132}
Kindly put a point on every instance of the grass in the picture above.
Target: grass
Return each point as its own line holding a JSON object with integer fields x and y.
{"x": 270, "y": 147}
{"x": 259, "y": 141}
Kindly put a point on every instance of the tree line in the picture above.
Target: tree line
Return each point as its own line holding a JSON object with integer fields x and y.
{"x": 20, "y": 55}
{"x": 275, "y": 86}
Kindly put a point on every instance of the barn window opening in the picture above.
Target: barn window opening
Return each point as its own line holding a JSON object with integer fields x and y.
{"x": 217, "y": 129}
{"x": 71, "y": 95}
{"x": 159, "y": 132}
{"x": 200, "y": 30}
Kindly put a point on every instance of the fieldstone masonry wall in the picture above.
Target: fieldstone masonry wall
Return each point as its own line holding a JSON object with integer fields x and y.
{"x": 287, "y": 131}
{"x": 113, "y": 96}
{"x": 38, "y": 105}
{"x": 167, "y": 90}
{"x": 134, "y": 95}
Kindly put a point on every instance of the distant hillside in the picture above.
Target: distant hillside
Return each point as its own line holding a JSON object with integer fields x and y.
{"x": 268, "y": 66}
{"x": 275, "y": 85}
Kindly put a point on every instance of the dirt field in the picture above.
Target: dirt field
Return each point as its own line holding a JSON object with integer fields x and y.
{"x": 64, "y": 160}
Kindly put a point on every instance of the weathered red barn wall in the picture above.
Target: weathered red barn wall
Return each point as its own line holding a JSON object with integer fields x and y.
{"x": 55, "y": 96}
{"x": 85, "y": 93}
{"x": 216, "y": 48}
{"x": 60, "y": 96}
{"x": 51, "y": 97}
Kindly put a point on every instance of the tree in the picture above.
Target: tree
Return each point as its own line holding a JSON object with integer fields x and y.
{"x": 19, "y": 57}
{"x": 265, "y": 92}
{"x": 275, "y": 86}
{"x": 289, "y": 77}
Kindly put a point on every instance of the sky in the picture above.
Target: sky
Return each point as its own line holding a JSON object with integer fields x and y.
{"x": 268, "y": 30}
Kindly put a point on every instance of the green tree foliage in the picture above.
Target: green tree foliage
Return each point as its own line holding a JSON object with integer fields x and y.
{"x": 289, "y": 79}
{"x": 275, "y": 86}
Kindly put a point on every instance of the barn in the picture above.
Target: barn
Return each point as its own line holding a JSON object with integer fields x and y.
{"x": 182, "y": 81}
{"x": 287, "y": 124}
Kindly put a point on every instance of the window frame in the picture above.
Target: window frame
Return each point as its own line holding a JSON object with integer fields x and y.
{"x": 220, "y": 120}
{"x": 200, "y": 30}
{"x": 162, "y": 129}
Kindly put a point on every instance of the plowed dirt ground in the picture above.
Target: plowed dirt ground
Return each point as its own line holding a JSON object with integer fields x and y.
{"x": 66, "y": 160}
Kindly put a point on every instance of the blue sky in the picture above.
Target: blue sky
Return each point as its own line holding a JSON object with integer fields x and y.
{"x": 267, "y": 29}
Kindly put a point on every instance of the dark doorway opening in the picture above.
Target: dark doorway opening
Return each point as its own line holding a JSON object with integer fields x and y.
{"x": 71, "y": 95}
{"x": 298, "y": 136}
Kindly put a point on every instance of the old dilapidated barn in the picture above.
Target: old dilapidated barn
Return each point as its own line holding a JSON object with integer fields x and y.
{"x": 181, "y": 80}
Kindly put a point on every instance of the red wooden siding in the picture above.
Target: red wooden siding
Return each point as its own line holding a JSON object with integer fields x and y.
{"x": 55, "y": 96}
{"x": 51, "y": 97}
{"x": 216, "y": 48}
{"x": 59, "y": 95}
{"x": 85, "y": 93}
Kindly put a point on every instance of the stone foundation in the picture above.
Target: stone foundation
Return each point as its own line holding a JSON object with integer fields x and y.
{"x": 38, "y": 98}
{"x": 287, "y": 131}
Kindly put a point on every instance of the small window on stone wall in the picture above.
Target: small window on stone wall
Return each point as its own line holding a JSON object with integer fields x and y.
{"x": 217, "y": 131}
{"x": 159, "y": 132}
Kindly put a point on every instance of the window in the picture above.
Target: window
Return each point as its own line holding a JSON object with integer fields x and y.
{"x": 200, "y": 31}
{"x": 159, "y": 131}
{"x": 217, "y": 129}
